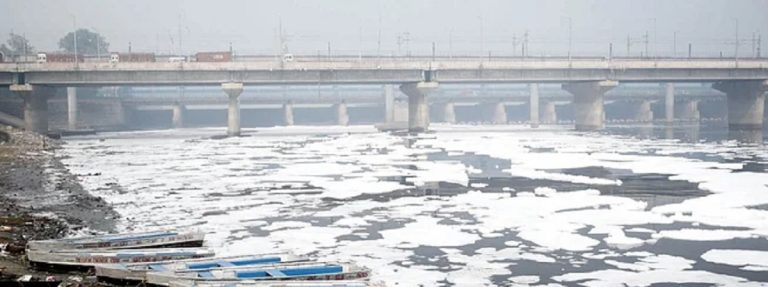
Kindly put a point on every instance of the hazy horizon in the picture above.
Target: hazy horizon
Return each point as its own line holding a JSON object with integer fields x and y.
{"x": 352, "y": 27}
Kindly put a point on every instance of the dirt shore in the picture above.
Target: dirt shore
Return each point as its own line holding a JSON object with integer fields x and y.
{"x": 40, "y": 199}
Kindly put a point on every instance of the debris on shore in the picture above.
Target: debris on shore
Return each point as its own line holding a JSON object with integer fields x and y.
{"x": 40, "y": 199}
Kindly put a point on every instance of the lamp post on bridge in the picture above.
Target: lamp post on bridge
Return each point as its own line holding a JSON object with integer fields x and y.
{"x": 74, "y": 36}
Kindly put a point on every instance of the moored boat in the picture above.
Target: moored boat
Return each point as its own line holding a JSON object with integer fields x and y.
{"x": 292, "y": 271}
{"x": 123, "y": 241}
{"x": 262, "y": 283}
{"x": 136, "y": 272}
{"x": 84, "y": 259}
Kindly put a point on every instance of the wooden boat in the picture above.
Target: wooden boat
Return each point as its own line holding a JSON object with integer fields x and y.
{"x": 263, "y": 283}
{"x": 85, "y": 259}
{"x": 128, "y": 273}
{"x": 123, "y": 241}
{"x": 291, "y": 271}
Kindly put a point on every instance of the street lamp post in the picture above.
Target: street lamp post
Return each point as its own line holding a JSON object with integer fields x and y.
{"x": 674, "y": 44}
{"x": 736, "y": 52}
{"x": 74, "y": 38}
{"x": 570, "y": 37}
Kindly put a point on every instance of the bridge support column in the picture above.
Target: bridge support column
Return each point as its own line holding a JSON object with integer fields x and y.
{"x": 500, "y": 114}
{"x": 418, "y": 106}
{"x": 746, "y": 103}
{"x": 233, "y": 90}
{"x": 534, "y": 105}
{"x": 72, "y": 108}
{"x": 589, "y": 112}
{"x": 549, "y": 113}
{"x": 35, "y": 106}
{"x": 178, "y": 115}
{"x": 689, "y": 111}
{"x": 400, "y": 111}
{"x": 669, "y": 103}
{"x": 342, "y": 116}
{"x": 449, "y": 113}
{"x": 643, "y": 112}
{"x": 389, "y": 104}
{"x": 288, "y": 113}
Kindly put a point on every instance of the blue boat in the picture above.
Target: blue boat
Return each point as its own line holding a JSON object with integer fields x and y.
{"x": 292, "y": 271}
{"x": 128, "y": 273}
{"x": 255, "y": 283}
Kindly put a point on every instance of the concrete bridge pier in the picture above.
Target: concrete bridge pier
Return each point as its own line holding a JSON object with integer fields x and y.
{"x": 534, "y": 105}
{"x": 400, "y": 111}
{"x": 418, "y": 105}
{"x": 72, "y": 108}
{"x": 643, "y": 112}
{"x": 233, "y": 90}
{"x": 689, "y": 111}
{"x": 178, "y": 115}
{"x": 449, "y": 113}
{"x": 669, "y": 103}
{"x": 746, "y": 103}
{"x": 288, "y": 113}
{"x": 389, "y": 104}
{"x": 588, "y": 109}
{"x": 500, "y": 114}
{"x": 35, "y": 106}
{"x": 549, "y": 113}
{"x": 342, "y": 116}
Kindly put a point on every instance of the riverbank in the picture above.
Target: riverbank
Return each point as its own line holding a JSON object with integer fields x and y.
{"x": 41, "y": 199}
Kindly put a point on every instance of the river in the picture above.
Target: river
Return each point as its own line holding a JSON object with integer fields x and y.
{"x": 460, "y": 206}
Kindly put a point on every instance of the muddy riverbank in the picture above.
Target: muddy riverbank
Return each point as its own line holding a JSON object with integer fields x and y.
{"x": 41, "y": 199}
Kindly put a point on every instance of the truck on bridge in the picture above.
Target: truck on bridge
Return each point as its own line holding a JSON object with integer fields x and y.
{"x": 213, "y": 57}
{"x": 132, "y": 57}
{"x": 59, "y": 58}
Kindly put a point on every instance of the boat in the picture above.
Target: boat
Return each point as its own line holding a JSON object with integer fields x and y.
{"x": 262, "y": 283}
{"x": 291, "y": 271}
{"x": 128, "y": 273}
{"x": 86, "y": 259}
{"x": 123, "y": 241}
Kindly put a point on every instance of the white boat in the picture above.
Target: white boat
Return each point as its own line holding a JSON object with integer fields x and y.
{"x": 123, "y": 241}
{"x": 291, "y": 271}
{"x": 136, "y": 272}
{"x": 89, "y": 258}
{"x": 262, "y": 283}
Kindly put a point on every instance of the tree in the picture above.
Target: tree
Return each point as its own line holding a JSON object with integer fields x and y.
{"x": 88, "y": 42}
{"x": 16, "y": 45}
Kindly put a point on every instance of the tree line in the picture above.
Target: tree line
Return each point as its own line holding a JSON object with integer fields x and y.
{"x": 88, "y": 43}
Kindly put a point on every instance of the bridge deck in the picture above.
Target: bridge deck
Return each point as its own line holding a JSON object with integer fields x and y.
{"x": 382, "y": 71}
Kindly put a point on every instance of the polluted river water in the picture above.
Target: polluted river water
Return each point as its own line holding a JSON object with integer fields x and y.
{"x": 460, "y": 206}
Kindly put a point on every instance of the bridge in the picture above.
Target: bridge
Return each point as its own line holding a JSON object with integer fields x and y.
{"x": 744, "y": 81}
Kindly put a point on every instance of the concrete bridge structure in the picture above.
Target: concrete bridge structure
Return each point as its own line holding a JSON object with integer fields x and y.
{"x": 744, "y": 82}
{"x": 442, "y": 102}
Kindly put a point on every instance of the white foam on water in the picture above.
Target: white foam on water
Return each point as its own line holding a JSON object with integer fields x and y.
{"x": 704, "y": 234}
{"x": 269, "y": 192}
{"x": 751, "y": 260}
{"x": 647, "y": 278}
{"x": 426, "y": 231}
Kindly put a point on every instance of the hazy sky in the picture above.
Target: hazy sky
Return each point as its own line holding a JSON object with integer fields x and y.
{"x": 352, "y": 26}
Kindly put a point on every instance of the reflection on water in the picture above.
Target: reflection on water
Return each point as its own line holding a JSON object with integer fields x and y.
{"x": 747, "y": 136}
{"x": 691, "y": 133}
